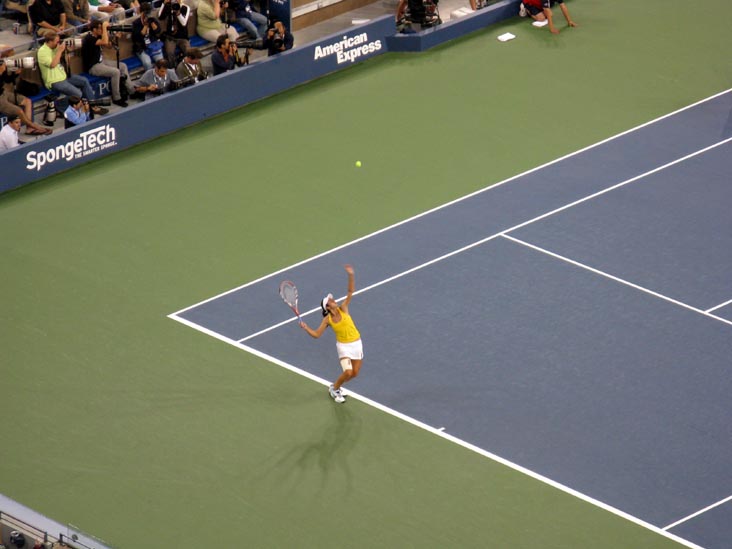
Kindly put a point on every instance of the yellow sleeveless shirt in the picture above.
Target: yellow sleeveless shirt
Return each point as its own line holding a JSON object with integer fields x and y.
{"x": 345, "y": 330}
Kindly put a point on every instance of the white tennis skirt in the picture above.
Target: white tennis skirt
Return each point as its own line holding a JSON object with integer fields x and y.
{"x": 353, "y": 350}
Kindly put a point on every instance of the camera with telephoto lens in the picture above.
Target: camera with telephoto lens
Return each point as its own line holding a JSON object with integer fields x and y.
{"x": 24, "y": 63}
{"x": 277, "y": 39}
{"x": 182, "y": 83}
{"x": 103, "y": 102}
{"x": 250, "y": 43}
{"x": 175, "y": 7}
{"x": 72, "y": 43}
{"x": 119, "y": 28}
{"x": 17, "y": 539}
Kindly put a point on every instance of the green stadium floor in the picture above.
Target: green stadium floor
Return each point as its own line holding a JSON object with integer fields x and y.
{"x": 148, "y": 434}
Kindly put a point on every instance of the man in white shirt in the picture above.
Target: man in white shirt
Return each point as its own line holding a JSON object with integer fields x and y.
{"x": 9, "y": 133}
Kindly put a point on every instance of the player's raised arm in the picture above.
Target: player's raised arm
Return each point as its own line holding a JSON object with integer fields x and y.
{"x": 351, "y": 286}
{"x": 315, "y": 333}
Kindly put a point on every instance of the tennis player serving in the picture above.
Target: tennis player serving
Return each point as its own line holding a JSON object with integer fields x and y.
{"x": 348, "y": 340}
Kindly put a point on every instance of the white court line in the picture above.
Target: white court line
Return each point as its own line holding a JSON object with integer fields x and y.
{"x": 617, "y": 279}
{"x": 523, "y": 224}
{"x": 701, "y": 511}
{"x": 447, "y": 204}
{"x": 440, "y": 432}
{"x": 719, "y": 306}
{"x": 382, "y": 282}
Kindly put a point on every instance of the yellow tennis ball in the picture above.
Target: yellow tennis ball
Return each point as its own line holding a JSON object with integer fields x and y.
{"x": 358, "y": 163}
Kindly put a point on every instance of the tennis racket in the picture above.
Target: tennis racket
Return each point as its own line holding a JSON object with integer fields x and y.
{"x": 288, "y": 293}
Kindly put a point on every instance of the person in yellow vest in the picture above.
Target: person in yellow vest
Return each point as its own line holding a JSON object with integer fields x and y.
{"x": 348, "y": 338}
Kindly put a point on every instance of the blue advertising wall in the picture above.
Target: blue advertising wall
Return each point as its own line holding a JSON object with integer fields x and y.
{"x": 170, "y": 112}
{"x": 429, "y": 38}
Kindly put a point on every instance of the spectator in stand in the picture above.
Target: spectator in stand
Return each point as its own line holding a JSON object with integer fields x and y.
{"x": 77, "y": 112}
{"x": 157, "y": 81}
{"x": 16, "y": 104}
{"x": 104, "y": 9}
{"x": 226, "y": 56}
{"x": 254, "y": 23}
{"x": 174, "y": 16}
{"x": 146, "y": 43}
{"x": 77, "y": 12}
{"x": 95, "y": 63}
{"x": 80, "y": 12}
{"x": 278, "y": 39}
{"x": 190, "y": 67}
{"x": 9, "y": 133}
{"x": 54, "y": 75}
{"x": 48, "y": 17}
{"x": 133, "y": 5}
{"x": 541, "y": 10}
{"x": 210, "y": 26}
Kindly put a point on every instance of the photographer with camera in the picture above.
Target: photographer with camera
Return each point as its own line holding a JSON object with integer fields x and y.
{"x": 210, "y": 25}
{"x": 191, "y": 67}
{"x": 157, "y": 81}
{"x": 13, "y": 103}
{"x": 253, "y": 22}
{"x": 278, "y": 39}
{"x": 419, "y": 12}
{"x": 95, "y": 63}
{"x": 226, "y": 56}
{"x": 77, "y": 112}
{"x": 146, "y": 43}
{"x": 54, "y": 75}
{"x": 174, "y": 16}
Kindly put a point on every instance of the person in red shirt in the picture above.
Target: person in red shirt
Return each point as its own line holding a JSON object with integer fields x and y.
{"x": 541, "y": 10}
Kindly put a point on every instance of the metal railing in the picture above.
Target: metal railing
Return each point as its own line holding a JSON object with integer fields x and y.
{"x": 73, "y": 537}
{"x": 28, "y": 529}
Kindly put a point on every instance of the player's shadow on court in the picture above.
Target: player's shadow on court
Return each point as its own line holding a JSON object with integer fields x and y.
{"x": 327, "y": 452}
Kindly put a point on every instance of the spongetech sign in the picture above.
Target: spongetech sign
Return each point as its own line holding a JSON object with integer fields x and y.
{"x": 88, "y": 142}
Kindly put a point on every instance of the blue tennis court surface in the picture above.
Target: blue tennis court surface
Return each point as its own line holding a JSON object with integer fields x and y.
{"x": 575, "y": 321}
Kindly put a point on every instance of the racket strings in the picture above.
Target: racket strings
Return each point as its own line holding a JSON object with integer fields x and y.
{"x": 289, "y": 294}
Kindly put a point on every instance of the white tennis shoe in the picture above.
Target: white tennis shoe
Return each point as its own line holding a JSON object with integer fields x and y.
{"x": 522, "y": 10}
{"x": 336, "y": 394}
